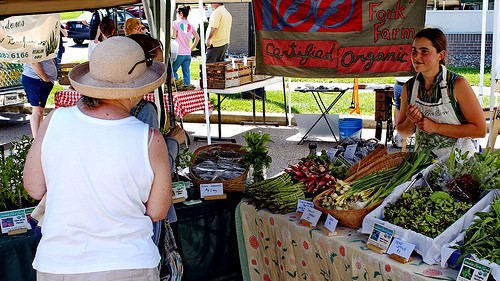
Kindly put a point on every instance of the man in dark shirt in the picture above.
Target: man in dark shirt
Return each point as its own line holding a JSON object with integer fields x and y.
{"x": 94, "y": 23}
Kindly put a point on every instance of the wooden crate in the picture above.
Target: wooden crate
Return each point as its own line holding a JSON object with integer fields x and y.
{"x": 222, "y": 75}
{"x": 245, "y": 79}
{"x": 221, "y": 84}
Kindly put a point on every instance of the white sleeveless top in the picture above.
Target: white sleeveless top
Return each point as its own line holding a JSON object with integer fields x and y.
{"x": 98, "y": 177}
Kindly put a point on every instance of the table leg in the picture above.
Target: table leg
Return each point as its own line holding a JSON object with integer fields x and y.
{"x": 325, "y": 111}
{"x": 284, "y": 102}
{"x": 219, "y": 125}
{"x": 253, "y": 105}
{"x": 263, "y": 112}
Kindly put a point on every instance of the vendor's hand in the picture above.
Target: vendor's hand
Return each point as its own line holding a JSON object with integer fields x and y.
{"x": 413, "y": 113}
{"x": 208, "y": 43}
{"x": 427, "y": 125}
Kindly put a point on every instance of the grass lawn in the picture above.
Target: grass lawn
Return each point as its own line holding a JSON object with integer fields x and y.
{"x": 71, "y": 15}
{"x": 304, "y": 103}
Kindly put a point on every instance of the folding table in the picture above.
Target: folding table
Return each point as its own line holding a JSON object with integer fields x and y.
{"x": 316, "y": 91}
{"x": 250, "y": 87}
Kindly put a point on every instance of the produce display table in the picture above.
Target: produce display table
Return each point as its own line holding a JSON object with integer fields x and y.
{"x": 16, "y": 255}
{"x": 279, "y": 247}
{"x": 206, "y": 238}
{"x": 205, "y": 234}
{"x": 184, "y": 102}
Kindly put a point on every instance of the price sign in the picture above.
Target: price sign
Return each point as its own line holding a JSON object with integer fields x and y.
{"x": 380, "y": 237}
{"x": 350, "y": 150}
{"x": 179, "y": 190}
{"x": 401, "y": 248}
{"x": 331, "y": 223}
{"x": 331, "y": 153}
{"x": 311, "y": 215}
{"x": 211, "y": 189}
{"x": 302, "y": 204}
{"x": 12, "y": 220}
{"x": 472, "y": 270}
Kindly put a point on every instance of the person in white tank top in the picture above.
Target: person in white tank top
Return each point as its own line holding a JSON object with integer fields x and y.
{"x": 103, "y": 173}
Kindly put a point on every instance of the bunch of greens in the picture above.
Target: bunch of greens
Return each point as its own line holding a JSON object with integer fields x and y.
{"x": 378, "y": 185}
{"x": 257, "y": 153}
{"x": 466, "y": 178}
{"x": 481, "y": 238}
{"x": 12, "y": 192}
{"x": 425, "y": 212}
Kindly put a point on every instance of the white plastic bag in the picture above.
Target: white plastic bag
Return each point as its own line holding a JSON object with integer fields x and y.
{"x": 92, "y": 46}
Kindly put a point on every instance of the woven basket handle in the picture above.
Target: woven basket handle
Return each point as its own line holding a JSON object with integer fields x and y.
{"x": 375, "y": 140}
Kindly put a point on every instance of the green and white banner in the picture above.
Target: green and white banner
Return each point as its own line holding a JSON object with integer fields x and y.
{"x": 31, "y": 38}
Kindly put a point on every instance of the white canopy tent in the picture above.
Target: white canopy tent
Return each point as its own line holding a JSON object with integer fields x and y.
{"x": 158, "y": 13}
{"x": 203, "y": 55}
{"x": 160, "y": 19}
{"x": 495, "y": 65}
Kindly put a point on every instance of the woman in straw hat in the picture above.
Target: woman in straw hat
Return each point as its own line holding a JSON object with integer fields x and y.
{"x": 103, "y": 172}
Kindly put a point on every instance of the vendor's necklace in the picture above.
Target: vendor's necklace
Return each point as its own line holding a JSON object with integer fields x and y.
{"x": 429, "y": 91}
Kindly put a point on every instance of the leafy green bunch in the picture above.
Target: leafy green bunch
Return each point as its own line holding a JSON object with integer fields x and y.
{"x": 257, "y": 153}
{"x": 425, "y": 212}
{"x": 481, "y": 238}
{"x": 483, "y": 168}
{"x": 12, "y": 192}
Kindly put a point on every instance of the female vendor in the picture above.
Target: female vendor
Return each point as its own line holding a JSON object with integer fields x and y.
{"x": 439, "y": 106}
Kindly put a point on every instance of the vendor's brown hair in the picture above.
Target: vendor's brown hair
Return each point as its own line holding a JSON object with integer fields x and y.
{"x": 437, "y": 38}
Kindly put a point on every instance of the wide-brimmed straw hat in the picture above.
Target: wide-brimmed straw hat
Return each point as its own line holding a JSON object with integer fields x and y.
{"x": 118, "y": 69}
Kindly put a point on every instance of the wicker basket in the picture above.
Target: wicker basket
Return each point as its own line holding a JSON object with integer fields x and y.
{"x": 382, "y": 163}
{"x": 349, "y": 218}
{"x": 232, "y": 185}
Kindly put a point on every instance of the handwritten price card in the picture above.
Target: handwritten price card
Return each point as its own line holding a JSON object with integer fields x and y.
{"x": 332, "y": 154}
{"x": 211, "y": 189}
{"x": 401, "y": 248}
{"x": 350, "y": 150}
{"x": 311, "y": 216}
{"x": 302, "y": 204}
{"x": 331, "y": 223}
{"x": 380, "y": 237}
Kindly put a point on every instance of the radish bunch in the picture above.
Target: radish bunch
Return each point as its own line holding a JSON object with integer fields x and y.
{"x": 314, "y": 172}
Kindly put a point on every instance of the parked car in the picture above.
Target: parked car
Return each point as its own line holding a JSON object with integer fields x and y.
{"x": 79, "y": 30}
{"x": 11, "y": 88}
{"x": 137, "y": 11}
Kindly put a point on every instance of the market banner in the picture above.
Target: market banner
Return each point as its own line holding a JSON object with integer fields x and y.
{"x": 30, "y": 38}
{"x": 336, "y": 38}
